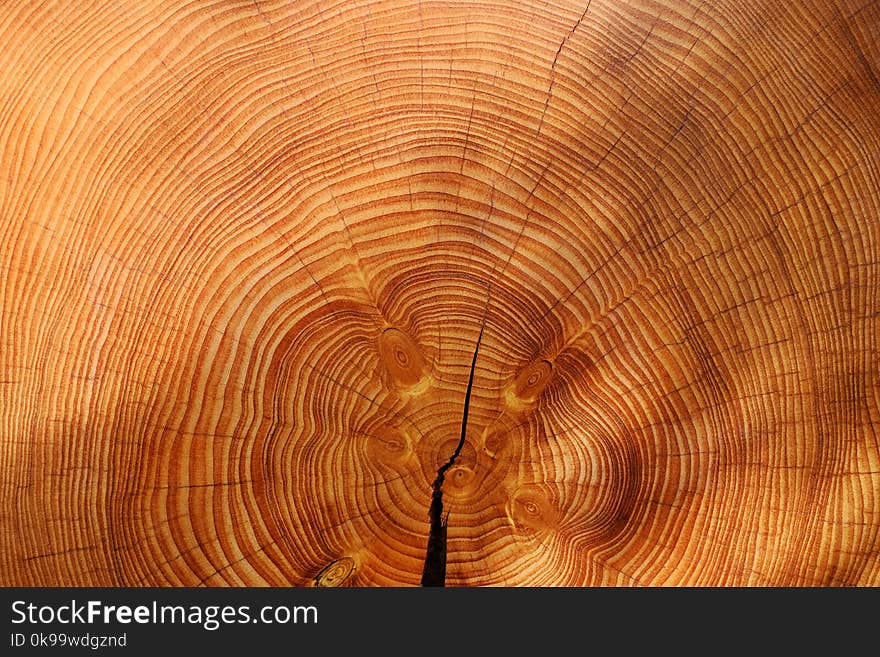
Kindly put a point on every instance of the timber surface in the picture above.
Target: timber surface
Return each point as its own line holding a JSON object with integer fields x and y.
{"x": 245, "y": 249}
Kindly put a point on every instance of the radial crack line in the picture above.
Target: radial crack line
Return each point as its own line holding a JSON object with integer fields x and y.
{"x": 434, "y": 572}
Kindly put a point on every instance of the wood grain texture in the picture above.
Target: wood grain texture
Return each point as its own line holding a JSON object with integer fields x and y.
{"x": 246, "y": 249}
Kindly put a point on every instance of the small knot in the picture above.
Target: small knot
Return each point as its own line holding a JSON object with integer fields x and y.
{"x": 336, "y": 573}
{"x": 529, "y": 384}
{"x": 402, "y": 359}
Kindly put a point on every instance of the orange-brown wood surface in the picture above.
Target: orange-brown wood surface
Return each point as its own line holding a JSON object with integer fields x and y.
{"x": 246, "y": 249}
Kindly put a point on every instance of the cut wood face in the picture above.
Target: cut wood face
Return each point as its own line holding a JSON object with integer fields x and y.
{"x": 247, "y": 249}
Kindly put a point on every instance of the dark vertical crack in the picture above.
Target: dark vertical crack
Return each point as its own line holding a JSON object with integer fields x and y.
{"x": 434, "y": 572}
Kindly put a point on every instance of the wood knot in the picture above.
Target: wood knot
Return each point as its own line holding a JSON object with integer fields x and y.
{"x": 336, "y": 573}
{"x": 403, "y": 360}
{"x": 460, "y": 478}
{"x": 529, "y": 384}
{"x": 531, "y": 510}
{"x": 389, "y": 446}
